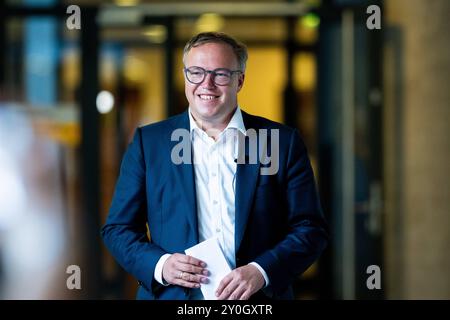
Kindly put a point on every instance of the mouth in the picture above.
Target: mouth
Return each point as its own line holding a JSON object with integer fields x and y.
{"x": 207, "y": 97}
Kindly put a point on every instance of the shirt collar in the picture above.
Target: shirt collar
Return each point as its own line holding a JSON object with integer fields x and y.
{"x": 236, "y": 122}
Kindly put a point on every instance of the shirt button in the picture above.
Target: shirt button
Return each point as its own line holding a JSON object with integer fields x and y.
{"x": 217, "y": 230}
{"x": 215, "y": 202}
{"x": 214, "y": 174}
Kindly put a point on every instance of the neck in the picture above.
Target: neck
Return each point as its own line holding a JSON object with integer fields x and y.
{"x": 213, "y": 128}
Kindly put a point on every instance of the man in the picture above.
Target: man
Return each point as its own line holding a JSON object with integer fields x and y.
{"x": 265, "y": 215}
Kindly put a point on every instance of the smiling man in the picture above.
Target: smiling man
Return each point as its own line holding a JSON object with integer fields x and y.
{"x": 270, "y": 227}
{"x": 214, "y": 76}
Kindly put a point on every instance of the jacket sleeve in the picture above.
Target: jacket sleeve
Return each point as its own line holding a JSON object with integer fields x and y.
{"x": 307, "y": 234}
{"x": 125, "y": 231}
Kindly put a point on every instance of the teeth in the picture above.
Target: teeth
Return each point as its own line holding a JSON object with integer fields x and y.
{"x": 205, "y": 97}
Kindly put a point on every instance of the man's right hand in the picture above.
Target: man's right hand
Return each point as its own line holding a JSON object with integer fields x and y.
{"x": 186, "y": 271}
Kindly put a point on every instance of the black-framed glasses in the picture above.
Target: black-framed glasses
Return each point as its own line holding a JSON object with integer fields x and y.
{"x": 221, "y": 76}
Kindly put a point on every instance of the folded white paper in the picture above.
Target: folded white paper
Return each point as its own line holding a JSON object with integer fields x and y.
{"x": 209, "y": 252}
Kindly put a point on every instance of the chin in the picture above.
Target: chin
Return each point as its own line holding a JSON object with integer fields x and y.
{"x": 208, "y": 111}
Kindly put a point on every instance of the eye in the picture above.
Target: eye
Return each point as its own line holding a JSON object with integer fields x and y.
{"x": 220, "y": 74}
{"x": 195, "y": 70}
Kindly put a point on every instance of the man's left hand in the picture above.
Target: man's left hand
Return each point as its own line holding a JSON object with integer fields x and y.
{"x": 240, "y": 284}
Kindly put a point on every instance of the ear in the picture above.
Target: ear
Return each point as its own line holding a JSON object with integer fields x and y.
{"x": 240, "y": 81}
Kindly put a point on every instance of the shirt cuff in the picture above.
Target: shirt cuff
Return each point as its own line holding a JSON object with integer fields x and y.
{"x": 264, "y": 274}
{"x": 159, "y": 269}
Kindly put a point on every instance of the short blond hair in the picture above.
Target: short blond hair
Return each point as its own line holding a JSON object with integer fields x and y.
{"x": 239, "y": 49}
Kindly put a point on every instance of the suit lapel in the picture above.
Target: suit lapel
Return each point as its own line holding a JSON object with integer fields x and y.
{"x": 246, "y": 179}
{"x": 184, "y": 173}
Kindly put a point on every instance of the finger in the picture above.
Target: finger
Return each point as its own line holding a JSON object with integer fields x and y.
{"x": 238, "y": 292}
{"x": 186, "y": 284}
{"x": 193, "y": 278}
{"x": 246, "y": 295}
{"x": 192, "y": 269}
{"x": 191, "y": 260}
{"x": 228, "y": 290}
{"x": 225, "y": 281}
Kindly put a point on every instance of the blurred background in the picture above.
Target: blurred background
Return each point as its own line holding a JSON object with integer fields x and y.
{"x": 371, "y": 105}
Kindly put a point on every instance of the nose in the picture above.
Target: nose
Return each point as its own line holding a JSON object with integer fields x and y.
{"x": 209, "y": 80}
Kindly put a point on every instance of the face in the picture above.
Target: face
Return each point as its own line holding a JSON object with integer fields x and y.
{"x": 209, "y": 102}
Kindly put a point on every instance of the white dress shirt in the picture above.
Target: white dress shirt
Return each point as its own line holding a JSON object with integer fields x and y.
{"x": 215, "y": 185}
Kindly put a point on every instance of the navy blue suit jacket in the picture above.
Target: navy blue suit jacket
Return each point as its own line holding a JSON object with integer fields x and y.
{"x": 278, "y": 222}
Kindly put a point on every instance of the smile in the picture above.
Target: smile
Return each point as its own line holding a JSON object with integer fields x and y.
{"x": 207, "y": 97}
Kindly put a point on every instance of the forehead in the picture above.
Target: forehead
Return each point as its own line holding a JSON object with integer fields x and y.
{"x": 212, "y": 55}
